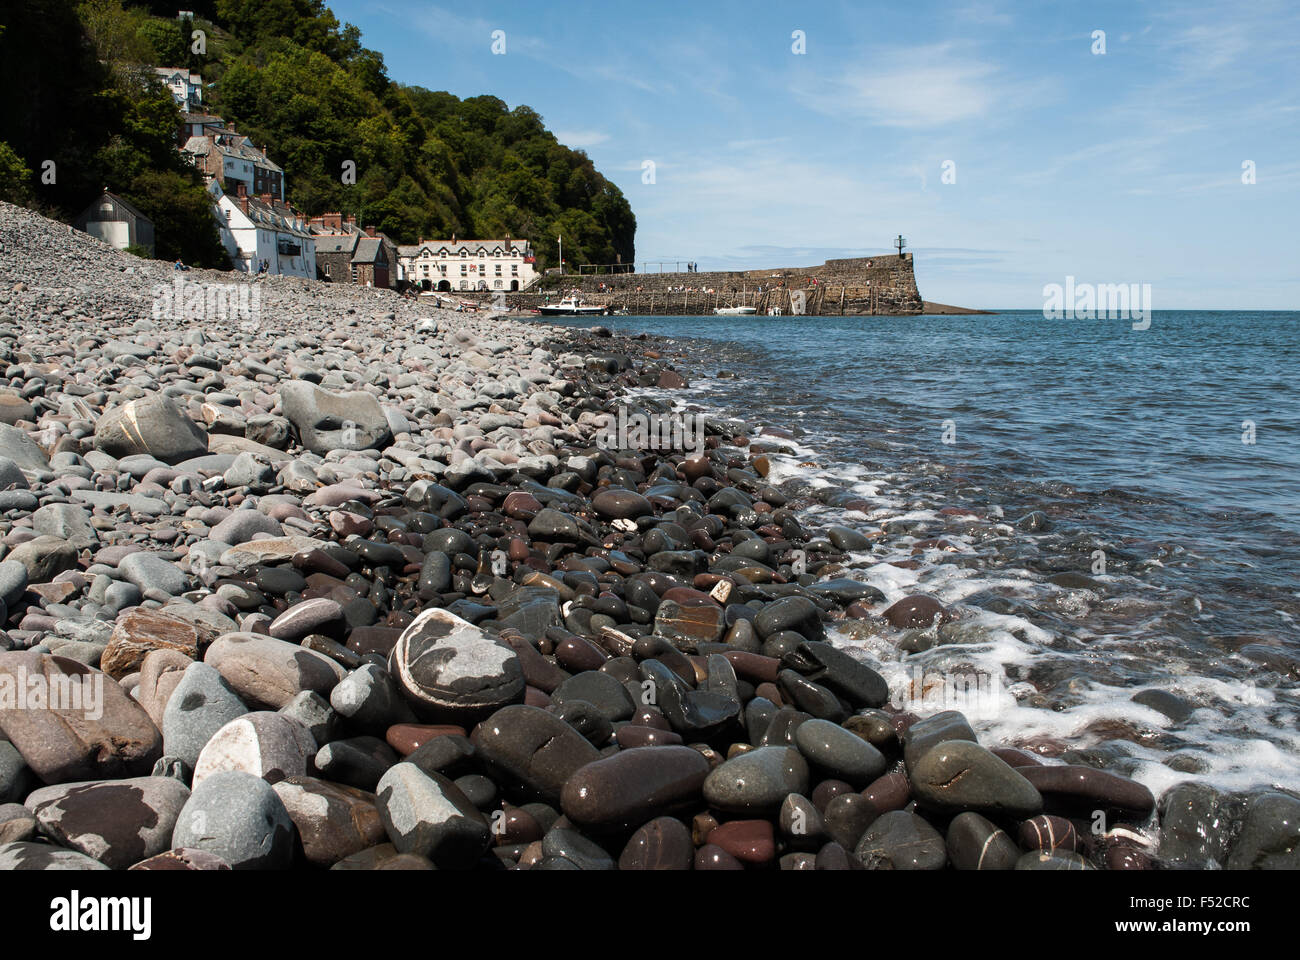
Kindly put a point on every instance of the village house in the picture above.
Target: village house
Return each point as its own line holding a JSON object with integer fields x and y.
{"x": 346, "y": 253}
{"x": 448, "y": 265}
{"x": 232, "y": 160}
{"x": 117, "y": 223}
{"x": 263, "y": 234}
{"x": 186, "y": 88}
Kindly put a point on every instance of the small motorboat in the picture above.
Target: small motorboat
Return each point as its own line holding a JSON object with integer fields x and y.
{"x": 572, "y": 307}
{"x": 735, "y": 311}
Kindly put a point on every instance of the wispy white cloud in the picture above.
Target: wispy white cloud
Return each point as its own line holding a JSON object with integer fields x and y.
{"x": 916, "y": 87}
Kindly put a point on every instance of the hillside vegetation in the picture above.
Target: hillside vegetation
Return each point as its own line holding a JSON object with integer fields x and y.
{"x": 289, "y": 75}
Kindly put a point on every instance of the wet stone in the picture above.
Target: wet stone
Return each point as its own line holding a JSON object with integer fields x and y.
{"x": 901, "y": 841}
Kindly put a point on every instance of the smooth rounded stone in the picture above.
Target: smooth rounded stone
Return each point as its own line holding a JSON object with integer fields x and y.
{"x": 1079, "y": 789}
{"x": 1058, "y": 860}
{"x": 695, "y": 623}
{"x": 21, "y": 450}
{"x": 633, "y": 786}
{"x": 846, "y": 538}
{"x": 1190, "y": 817}
{"x": 183, "y": 858}
{"x": 615, "y": 504}
{"x": 241, "y": 819}
{"x": 601, "y": 690}
{"x": 160, "y": 672}
{"x": 269, "y": 673}
{"x": 631, "y": 735}
{"x": 254, "y": 469}
{"x": 531, "y": 751}
{"x": 838, "y": 752}
{"x": 356, "y": 761}
{"x": 749, "y": 841}
{"x": 67, "y": 521}
{"x": 369, "y": 699}
{"x": 83, "y": 725}
{"x": 801, "y": 822}
{"x": 840, "y": 672}
{"x": 406, "y": 738}
{"x": 798, "y": 614}
{"x": 14, "y": 408}
{"x": 939, "y": 728}
{"x": 17, "y": 825}
{"x": 713, "y": 857}
{"x": 847, "y": 591}
{"x": 267, "y": 745}
{"x": 333, "y": 821}
{"x": 915, "y": 611}
{"x": 149, "y": 571}
{"x": 318, "y": 615}
{"x": 835, "y": 856}
{"x": 899, "y": 840}
{"x": 154, "y": 425}
{"x": 451, "y": 671}
{"x": 13, "y": 581}
{"x": 328, "y": 421}
{"x": 117, "y": 822}
{"x": 255, "y": 553}
{"x": 758, "y": 780}
{"x": 586, "y": 719}
{"x": 583, "y": 853}
{"x": 201, "y": 703}
{"x": 975, "y": 843}
{"x": 1270, "y": 835}
{"x": 139, "y": 632}
{"x": 1174, "y": 707}
{"x": 315, "y": 713}
{"x": 42, "y": 856}
{"x": 662, "y": 844}
{"x": 44, "y": 558}
{"x": 847, "y": 817}
{"x": 812, "y": 698}
{"x": 427, "y": 814}
{"x": 877, "y": 728}
{"x": 242, "y": 525}
{"x": 958, "y": 775}
{"x": 1046, "y": 832}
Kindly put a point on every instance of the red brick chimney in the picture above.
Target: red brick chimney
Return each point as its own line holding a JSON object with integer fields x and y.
{"x": 352, "y": 221}
{"x": 370, "y": 230}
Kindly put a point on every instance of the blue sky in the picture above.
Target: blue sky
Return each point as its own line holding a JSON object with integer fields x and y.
{"x": 1123, "y": 167}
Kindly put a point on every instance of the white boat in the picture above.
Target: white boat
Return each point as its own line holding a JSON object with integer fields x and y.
{"x": 735, "y": 311}
{"x": 572, "y": 307}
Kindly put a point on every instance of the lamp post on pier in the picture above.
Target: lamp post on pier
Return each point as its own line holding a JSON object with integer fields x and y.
{"x": 900, "y": 243}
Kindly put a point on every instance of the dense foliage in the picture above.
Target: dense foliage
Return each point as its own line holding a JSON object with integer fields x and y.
{"x": 286, "y": 73}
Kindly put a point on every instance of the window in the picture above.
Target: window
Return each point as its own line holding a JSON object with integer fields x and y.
{"x": 463, "y": 269}
{"x": 514, "y": 268}
{"x": 498, "y": 266}
{"x": 497, "y": 284}
{"x": 464, "y": 254}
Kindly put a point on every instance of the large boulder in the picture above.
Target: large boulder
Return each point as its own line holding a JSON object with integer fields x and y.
{"x": 451, "y": 671}
{"x": 334, "y": 421}
{"x": 155, "y": 425}
{"x": 71, "y": 722}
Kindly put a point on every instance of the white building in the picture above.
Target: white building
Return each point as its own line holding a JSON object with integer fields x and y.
{"x": 186, "y": 88}
{"x": 262, "y": 231}
{"x": 467, "y": 264}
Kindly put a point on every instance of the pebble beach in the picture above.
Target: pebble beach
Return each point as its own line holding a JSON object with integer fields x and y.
{"x": 343, "y": 581}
